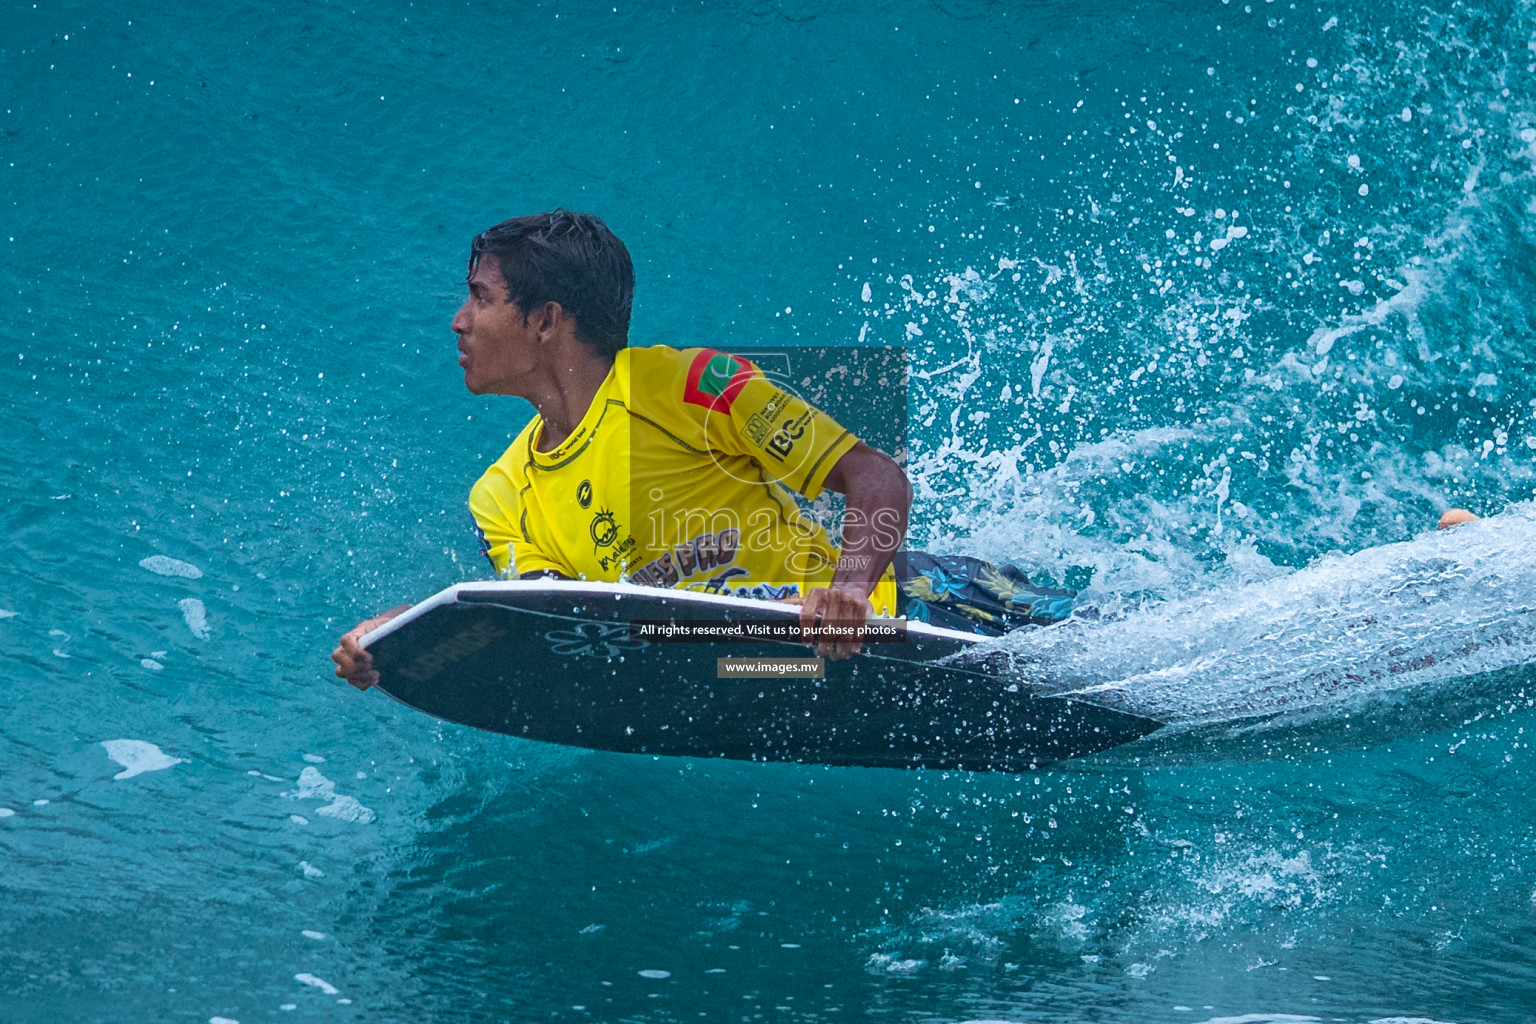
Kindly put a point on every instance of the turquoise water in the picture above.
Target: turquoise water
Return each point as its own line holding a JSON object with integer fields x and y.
{"x": 1214, "y": 308}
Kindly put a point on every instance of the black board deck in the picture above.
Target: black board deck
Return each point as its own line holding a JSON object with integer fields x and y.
{"x": 554, "y": 661}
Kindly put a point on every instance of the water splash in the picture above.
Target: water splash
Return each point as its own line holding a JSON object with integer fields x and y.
{"x": 1286, "y": 364}
{"x": 1344, "y": 629}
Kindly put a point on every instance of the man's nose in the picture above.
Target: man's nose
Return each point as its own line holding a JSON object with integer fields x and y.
{"x": 460, "y": 323}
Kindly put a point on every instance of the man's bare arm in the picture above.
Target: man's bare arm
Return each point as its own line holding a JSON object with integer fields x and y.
{"x": 879, "y": 498}
{"x": 874, "y": 525}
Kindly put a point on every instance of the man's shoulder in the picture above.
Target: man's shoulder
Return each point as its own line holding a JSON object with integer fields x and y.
{"x": 697, "y": 379}
{"x": 651, "y": 360}
{"x": 512, "y": 464}
{"x": 665, "y": 359}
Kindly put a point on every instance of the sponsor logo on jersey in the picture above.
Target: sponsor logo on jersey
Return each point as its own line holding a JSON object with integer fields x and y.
{"x": 704, "y": 553}
{"x": 782, "y": 443}
{"x": 618, "y": 557}
{"x": 757, "y": 429}
{"x": 768, "y": 591}
{"x": 584, "y": 494}
{"x": 717, "y": 584}
{"x": 715, "y": 379}
{"x": 604, "y": 530}
{"x": 760, "y": 423}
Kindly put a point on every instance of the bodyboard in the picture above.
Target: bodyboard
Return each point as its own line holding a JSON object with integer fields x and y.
{"x": 556, "y": 661}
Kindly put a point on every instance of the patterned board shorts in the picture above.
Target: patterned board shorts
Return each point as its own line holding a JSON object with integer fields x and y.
{"x": 964, "y": 593}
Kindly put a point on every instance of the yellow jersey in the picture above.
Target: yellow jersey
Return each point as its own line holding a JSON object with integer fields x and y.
{"x": 675, "y": 477}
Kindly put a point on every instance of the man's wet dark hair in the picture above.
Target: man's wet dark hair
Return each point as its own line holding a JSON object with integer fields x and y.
{"x": 569, "y": 258}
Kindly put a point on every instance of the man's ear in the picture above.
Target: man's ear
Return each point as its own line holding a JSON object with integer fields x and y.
{"x": 547, "y": 317}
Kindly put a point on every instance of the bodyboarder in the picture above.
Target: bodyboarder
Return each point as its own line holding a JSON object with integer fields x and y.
{"x": 673, "y": 467}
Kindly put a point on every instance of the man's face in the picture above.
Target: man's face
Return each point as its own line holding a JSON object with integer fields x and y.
{"x": 498, "y": 346}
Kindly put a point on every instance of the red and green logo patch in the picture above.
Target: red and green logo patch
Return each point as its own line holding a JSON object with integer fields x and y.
{"x": 715, "y": 379}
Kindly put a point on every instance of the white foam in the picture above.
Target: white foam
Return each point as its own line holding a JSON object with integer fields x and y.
{"x": 310, "y": 871}
{"x": 1447, "y": 605}
{"x": 222, "y": 1020}
{"x": 6, "y": 812}
{"x": 138, "y": 757}
{"x": 314, "y": 759}
{"x": 314, "y": 786}
{"x": 894, "y": 965}
{"x": 166, "y": 566}
{"x": 151, "y": 664}
{"x": 196, "y": 616}
{"x": 4, "y": 614}
{"x": 319, "y": 983}
{"x": 655, "y": 974}
{"x": 312, "y": 935}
